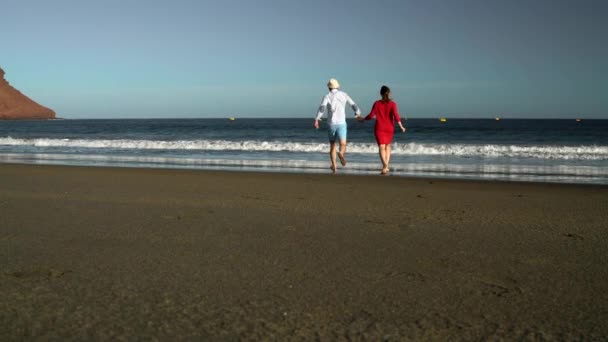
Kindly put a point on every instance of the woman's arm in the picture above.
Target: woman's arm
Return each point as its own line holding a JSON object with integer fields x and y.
{"x": 401, "y": 126}
{"x": 372, "y": 113}
{"x": 397, "y": 117}
{"x": 395, "y": 112}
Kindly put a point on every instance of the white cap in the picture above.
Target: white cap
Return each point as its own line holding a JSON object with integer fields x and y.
{"x": 333, "y": 84}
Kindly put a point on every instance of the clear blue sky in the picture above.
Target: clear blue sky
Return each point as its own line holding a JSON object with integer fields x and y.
{"x": 458, "y": 58}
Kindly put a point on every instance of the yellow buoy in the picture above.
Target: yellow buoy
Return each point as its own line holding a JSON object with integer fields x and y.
{"x": 231, "y": 119}
{"x": 443, "y": 119}
{"x": 497, "y": 119}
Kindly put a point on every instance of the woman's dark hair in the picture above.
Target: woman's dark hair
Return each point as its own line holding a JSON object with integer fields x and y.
{"x": 384, "y": 91}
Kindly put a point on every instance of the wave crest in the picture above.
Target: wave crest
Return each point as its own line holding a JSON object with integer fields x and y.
{"x": 583, "y": 152}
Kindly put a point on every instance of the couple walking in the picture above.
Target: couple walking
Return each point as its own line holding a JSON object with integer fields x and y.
{"x": 384, "y": 110}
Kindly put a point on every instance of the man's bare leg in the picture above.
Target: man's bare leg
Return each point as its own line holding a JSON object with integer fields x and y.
{"x": 332, "y": 155}
{"x": 342, "y": 152}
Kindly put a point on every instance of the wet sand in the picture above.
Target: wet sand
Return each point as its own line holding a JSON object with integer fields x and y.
{"x": 109, "y": 253}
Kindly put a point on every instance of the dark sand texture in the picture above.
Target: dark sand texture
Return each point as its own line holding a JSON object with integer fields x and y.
{"x": 106, "y": 254}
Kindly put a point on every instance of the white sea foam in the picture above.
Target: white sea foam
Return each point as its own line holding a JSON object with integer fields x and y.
{"x": 583, "y": 152}
{"x": 539, "y": 173}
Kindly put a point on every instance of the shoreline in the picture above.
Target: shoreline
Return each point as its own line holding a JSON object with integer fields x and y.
{"x": 283, "y": 171}
{"x": 119, "y": 253}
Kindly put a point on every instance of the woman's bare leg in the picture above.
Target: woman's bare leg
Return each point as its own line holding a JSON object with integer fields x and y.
{"x": 388, "y": 155}
{"x": 382, "y": 151}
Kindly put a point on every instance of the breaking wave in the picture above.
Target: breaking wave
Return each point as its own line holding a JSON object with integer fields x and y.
{"x": 583, "y": 152}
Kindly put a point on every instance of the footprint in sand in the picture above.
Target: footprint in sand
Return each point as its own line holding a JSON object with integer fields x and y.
{"x": 6, "y": 237}
{"x": 410, "y": 276}
{"x": 169, "y": 217}
{"x": 491, "y": 289}
{"x": 573, "y": 236}
{"x": 37, "y": 274}
{"x": 374, "y": 221}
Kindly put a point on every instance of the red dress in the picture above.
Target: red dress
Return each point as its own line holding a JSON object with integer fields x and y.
{"x": 386, "y": 115}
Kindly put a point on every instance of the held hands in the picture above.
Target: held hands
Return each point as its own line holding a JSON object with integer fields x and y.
{"x": 359, "y": 118}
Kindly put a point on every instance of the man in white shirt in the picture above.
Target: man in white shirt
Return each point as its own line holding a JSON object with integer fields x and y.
{"x": 335, "y": 102}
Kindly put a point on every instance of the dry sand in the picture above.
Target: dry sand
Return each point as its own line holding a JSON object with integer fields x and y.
{"x": 106, "y": 254}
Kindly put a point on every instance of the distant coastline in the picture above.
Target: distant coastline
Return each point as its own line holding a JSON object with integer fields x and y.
{"x": 16, "y": 106}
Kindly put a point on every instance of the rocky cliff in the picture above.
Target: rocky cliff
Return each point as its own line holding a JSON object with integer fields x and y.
{"x": 16, "y": 106}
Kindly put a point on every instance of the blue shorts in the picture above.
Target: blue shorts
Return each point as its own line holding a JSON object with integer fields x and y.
{"x": 337, "y": 131}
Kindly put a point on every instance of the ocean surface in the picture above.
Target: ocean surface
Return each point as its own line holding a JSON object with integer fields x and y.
{"x": 563, "y": 151}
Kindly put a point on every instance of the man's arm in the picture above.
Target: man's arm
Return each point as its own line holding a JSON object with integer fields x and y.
{"x": 353, "y": 105}
{"x": 321, "y": 110}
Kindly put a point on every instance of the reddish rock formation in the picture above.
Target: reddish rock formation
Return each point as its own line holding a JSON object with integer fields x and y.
{"x": 16, "y": 106}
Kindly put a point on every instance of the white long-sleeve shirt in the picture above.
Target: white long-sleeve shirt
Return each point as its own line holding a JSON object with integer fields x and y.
{"x": 335, "y": 103}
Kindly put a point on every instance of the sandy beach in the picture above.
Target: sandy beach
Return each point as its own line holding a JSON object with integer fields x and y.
{"x": 115, "y": 253}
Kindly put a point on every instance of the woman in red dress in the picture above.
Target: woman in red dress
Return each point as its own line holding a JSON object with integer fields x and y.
{"x": 385, "y": 111}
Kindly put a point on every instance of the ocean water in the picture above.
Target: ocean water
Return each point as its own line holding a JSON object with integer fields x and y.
{"x": 563, "y": 151}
